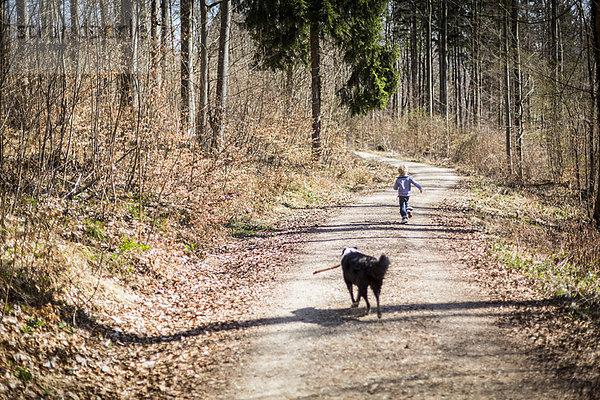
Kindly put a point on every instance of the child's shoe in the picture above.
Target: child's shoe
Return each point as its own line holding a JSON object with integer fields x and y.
{"x": 404, "y": 221}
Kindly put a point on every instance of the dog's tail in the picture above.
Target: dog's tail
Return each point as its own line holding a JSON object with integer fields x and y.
{"x": 378, "y": 270}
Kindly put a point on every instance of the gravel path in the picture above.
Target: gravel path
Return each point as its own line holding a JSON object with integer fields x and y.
{"x": 438, "y": 336}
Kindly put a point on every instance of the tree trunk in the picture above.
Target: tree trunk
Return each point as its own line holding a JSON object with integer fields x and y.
{"x": 22, "y": 18}
{"x": 105, "y": 30}
{"x": 429, "y": 63}
{"x": 203, "y": 103}
{"x": 444, "y": 69}
{"x": 74, "y": 11}
{"x": 555, "y": 147}
{"x": 3, "y": 71}
{"x": 595, "y": 9}
{"x": 443, "y": 49}
{"x": 125, "y": 37}
{"x": 186, "y": 15}
{"x": 455, "y": 83}
{"x": 164, "y": 25}
{"x": 414, "y": 63}
{"x": 593, "y": 126}
{"x": 516, "y": 73}
{"x": 153, "y": 32}
{"x": 223, "y": 68}
{"x": 315, "y": 73}
{"x": 476, "y": 76}
{"x": 507, "y": 88}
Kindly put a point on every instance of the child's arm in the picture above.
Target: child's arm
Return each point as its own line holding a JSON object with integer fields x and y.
{"x": 416, "y": 184}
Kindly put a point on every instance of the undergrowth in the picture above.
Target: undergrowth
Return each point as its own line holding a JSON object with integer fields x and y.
{"x": 54, "y": 244}
{"x": 541, "y": 234}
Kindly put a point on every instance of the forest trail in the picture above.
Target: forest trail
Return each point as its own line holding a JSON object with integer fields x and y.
{"x": 438, "y": 337}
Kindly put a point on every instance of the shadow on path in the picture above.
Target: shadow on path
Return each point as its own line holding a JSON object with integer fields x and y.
{"x": 326, "y": 318}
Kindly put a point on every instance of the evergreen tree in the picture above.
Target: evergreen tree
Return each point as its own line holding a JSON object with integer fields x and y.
{"x": 288, "y": 32}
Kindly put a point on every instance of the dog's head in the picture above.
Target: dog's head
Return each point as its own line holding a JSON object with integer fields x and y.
{"x": 349, "y": 250}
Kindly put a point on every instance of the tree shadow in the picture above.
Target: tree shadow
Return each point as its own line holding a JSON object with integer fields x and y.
{"x": 330, "y": 317}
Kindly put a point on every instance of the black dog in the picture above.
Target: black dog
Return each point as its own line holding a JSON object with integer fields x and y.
{"x": 364, "y": 271}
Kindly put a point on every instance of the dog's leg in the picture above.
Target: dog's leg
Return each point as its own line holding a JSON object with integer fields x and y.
{"x": 376, "y": 291}
{"x": 362, "y": 292}
{"x": 354, "y": 303}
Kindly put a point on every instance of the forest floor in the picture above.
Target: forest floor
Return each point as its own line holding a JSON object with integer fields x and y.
{"x": 251, "y": 321}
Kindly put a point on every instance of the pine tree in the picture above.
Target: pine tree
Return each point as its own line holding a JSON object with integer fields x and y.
{"x": 288, "y": 32}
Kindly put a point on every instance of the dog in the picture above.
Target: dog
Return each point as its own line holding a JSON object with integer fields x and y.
{"x": 363, "y": 271}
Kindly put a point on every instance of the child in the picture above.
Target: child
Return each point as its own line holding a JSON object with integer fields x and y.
{"x": 402, "y": 185}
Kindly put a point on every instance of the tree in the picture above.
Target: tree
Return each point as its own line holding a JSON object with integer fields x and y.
{"x": 186, "y": 16}
{"x": 203, "y": 80}
{"x": 517, "y": 89}
{"x": 3, "y": 71}
{"x": 507, "y": 86}
{"x": 476, "y": 75}
{"x": 223, "y": 68}
{"x": 429, "y": 57}
{"x": 556, "y": 157}
{"x": 164, "y": 25}
{"x": 414, "y": 62}
{"x": 74, "y": 11}
{"x": 125, "y": 36}
{"x": 290, "y": 30}
{"x": 153, "y": 32}
{"x": 443, "y": 49}
{"x": 595, "y": 10}
{"x": 22, "y": 17}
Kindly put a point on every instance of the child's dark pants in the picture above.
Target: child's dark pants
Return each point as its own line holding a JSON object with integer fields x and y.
{"x": 403, "y": 205}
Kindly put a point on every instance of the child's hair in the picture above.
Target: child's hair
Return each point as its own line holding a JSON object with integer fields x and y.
{"x": 402, "y": 170}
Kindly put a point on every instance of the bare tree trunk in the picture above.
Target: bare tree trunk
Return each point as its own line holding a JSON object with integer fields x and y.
{"x": 186, "y": 17}
{"x": 414, "y": 63}
{"x": 593, "y": 125}
{"x": 223, "y": 68}
{"x": 476, "y": 76}
{"x": 3, "y": 71}
{"x": 125, "y": 38}
{"x": 105, "y": 30}
{"x": 595, "y": 10}
{"x": 443, "y": 50}
{"x": 444, "y": 69}
{"x": 315, "y": 73}
{"x": 153, "y": 32}
{"x": 74, "y": 11}
{"x": 518, "y": 104}
{"x": 455, "y": 83}
{"x": 203, "y": 103}
{"x": 555, "y": 147}
{"x": 507, "y": 88}
{"x": 429, "y": 63}
{"x": 164, "y": 25}
{"x": 22, "y": 19}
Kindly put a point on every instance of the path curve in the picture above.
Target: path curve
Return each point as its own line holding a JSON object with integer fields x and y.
{"x": 438, "y": 336}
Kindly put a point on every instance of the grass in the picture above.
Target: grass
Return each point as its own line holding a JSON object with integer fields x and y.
{"x": 95, "y": 230}
{"x": 246, "y": 226}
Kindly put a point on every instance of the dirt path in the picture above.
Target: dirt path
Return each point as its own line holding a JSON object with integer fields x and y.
{"x": 438, "y": 337}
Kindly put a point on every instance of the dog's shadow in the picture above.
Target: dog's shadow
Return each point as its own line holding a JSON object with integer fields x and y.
{"x": 333, "y": 317}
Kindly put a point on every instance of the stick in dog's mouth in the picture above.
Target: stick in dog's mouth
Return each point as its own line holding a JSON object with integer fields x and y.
{"x": 327, "y": 269}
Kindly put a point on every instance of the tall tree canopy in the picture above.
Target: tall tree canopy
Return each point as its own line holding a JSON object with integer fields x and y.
{"x": 288, "y": 32}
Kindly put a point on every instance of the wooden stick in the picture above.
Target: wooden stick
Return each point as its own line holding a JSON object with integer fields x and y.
{"x": 326, "y": 269}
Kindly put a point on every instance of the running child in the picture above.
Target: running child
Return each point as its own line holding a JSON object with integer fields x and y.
{"x": 403, "y": 185}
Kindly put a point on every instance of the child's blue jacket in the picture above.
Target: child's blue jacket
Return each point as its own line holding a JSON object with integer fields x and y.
{"x": 403, "y": 184}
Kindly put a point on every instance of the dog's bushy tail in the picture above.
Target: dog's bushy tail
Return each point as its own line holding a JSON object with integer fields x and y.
{"x": 378, "y": 270}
